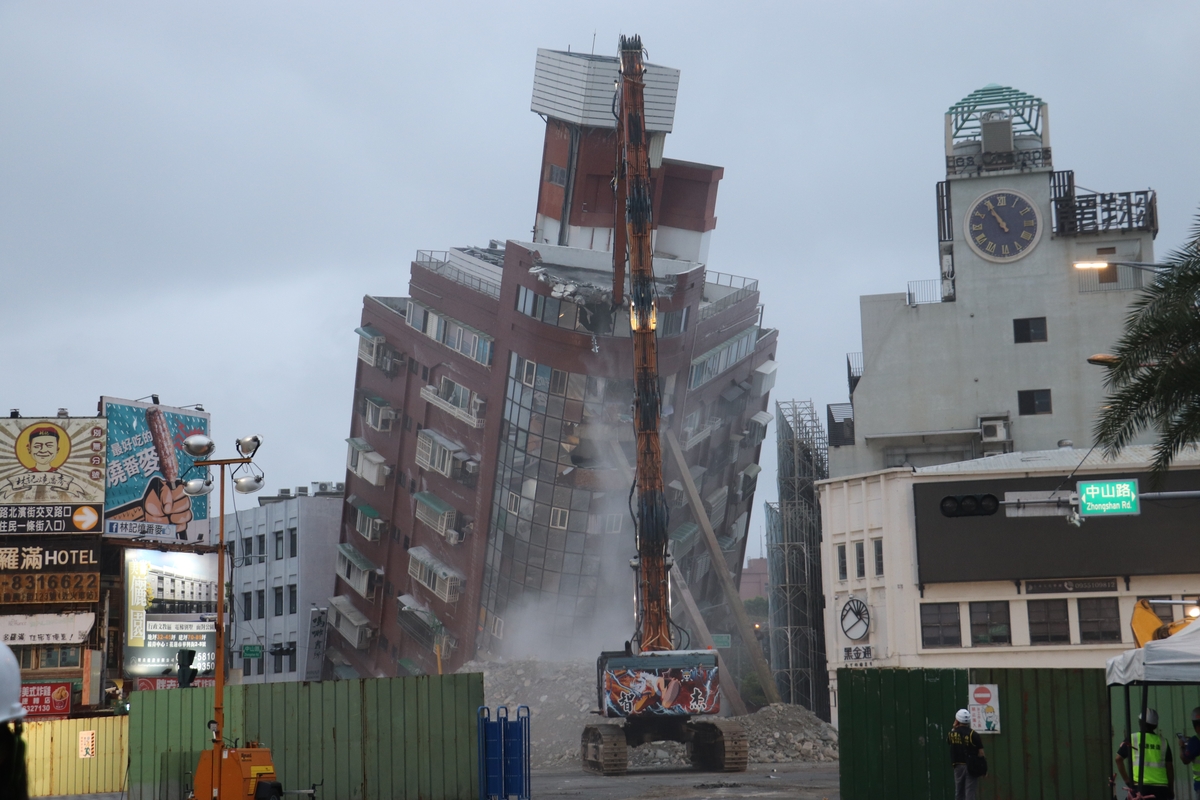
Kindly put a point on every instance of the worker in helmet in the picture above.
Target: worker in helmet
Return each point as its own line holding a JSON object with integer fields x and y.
{"x": 13, "y": 781}
{"x": 1149, "y": 758}
{"x": 966, "y": 751}
{"x": 1190, "y": 750}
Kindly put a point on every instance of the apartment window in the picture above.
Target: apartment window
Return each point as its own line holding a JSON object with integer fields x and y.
{"x": 262, "y": 547}
{"x": 279, "y": 601}
{"x": 612, "y": 523}
{"x": 435, "y": 452}
{"x": 291, "y": 656}
{"x": 247, "y": 550}
{"x": 558, "y": 382}
{"x": 293, "y": 543}
{"x": 514, "y": 503}
{"x": 860, "y": 560}
{"x": 1030, "y": 329}
{"x": 558, "y": 518}
{"x": 455, "y": 394}
{"x": 261, "y": 662}
{"x": 989, "y": 623}
{"x": 247, "y": 606}
{"x": 529, "y": 374}
{"x": 1099, "y": 619}
{"x": 378, "y": 414}
{"x": 292, "y": 599}
{"x": 556, "y": 175}
{"x": 841, "y": 555}
{"x": 939, "y": 625}
{"x": 262, "y": 604}
{"x": 279, "y": 545}
{"x": 278, "y": 658}
{"x": 1048, "y": 622}
{"x": 247, "y": 666}
{"x": 877, "y": 544}
{"x": 1034, "y": 401}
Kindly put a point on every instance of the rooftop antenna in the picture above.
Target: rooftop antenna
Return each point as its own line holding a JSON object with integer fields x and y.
{"x": 593, "y": 42}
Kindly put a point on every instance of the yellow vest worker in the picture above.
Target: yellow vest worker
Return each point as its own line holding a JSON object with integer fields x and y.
{"x": 1149, "y": 758}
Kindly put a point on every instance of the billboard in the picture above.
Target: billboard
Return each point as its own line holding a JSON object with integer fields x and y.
{"x": 51, "y": 475}
{"x": 170, "y": 605}
{"x": 145, "y": 472}
{"x": 34, "y": 569}
{"x": 46, "y": 699}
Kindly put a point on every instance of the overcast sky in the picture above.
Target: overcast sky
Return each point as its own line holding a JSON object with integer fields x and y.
{"x": 195, "y": 196}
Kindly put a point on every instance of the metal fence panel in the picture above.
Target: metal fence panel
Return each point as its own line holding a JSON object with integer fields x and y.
{"x": 1174, "y": 705}
{"x": 375, "y": 739}
{"x": 1054, "y": 740}
{"x": 54, "y": 764}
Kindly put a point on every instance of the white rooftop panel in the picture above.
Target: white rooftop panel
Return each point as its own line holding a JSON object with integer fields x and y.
{"x": 1133, "y": 458}
{"x": 579, "y": 88}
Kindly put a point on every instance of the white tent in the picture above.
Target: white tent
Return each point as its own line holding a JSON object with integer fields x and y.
{"x": 1172, "y": 660}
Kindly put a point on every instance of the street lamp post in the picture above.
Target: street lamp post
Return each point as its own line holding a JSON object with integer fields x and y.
{"x": 201, "y": 447}
{"x": 1144, "y": 266}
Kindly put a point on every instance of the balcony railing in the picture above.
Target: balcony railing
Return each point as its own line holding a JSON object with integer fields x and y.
{"x": 854, "y": 370}
{"x": 924, "y": 292}
{"x": 430, "y": 394}
{"x": 438, "y": 262}
{"x": 744, "y": 287}
{"x": 987, "y": 162}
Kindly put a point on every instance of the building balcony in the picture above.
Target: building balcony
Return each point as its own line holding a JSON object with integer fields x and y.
{"x": 351, "y": 623}
{"x": 430, "y": 395}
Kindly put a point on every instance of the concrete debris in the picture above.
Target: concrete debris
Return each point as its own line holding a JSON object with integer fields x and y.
{"x": 562, "y": 699}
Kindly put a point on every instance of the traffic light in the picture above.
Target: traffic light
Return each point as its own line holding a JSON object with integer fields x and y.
{"x": 184, "y": 658}
{"x": 970, "y": 505}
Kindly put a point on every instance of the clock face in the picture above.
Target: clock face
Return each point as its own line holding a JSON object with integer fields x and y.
{"x": 1003, "y": 226}
{"x": 856, "y": 618}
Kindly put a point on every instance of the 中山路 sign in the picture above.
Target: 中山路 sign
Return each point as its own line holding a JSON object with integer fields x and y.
{"x": 1108, "y": 498}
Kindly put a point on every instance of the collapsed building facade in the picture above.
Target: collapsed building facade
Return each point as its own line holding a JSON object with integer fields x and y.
{"x": 490, "y": 451}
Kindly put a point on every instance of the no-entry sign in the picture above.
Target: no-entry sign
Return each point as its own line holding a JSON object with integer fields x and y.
{"x": 983, "y": 701}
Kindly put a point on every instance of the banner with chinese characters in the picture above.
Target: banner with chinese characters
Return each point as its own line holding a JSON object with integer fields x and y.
{"x": 170, "y": 605}
{"x": 56, "y": 570}
{"x": 860, "y": 655}
{"x": 46, "y": 699}
{"x": 154, "y": 684}
{"x": 26, "y": 629}
{"x": 318, "y": 628}
{"x": 51, "y": 474}
{"x": 146, "y": 468}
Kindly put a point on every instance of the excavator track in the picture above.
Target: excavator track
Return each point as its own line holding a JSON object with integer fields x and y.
{"x": 603, "y": 750}
{"x": 720, "y": 745}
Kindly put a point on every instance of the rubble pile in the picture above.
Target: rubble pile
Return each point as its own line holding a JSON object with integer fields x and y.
{"x": 562, "y": 698}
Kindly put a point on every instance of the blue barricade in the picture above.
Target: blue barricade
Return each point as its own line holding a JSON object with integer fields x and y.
{"x": 504, "y": 754}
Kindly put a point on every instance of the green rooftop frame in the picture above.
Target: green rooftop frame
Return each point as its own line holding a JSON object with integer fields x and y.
{"x": 1025, "y": 110}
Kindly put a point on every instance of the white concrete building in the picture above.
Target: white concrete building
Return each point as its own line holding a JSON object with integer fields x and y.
{"x": 907, "y": 586}
{"x": 282, "y": 553}
{"x": 991, "y": 356}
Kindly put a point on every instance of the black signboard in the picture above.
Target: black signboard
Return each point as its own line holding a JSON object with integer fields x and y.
{"x": 34, "y": 569}
{"x": 1063, "y": 587}
{"x": 1159, "y": 541}
{"x": 57, "y": 518}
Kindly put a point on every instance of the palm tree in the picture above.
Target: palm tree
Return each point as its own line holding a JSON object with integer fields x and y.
{"x": 1154, "y": 375}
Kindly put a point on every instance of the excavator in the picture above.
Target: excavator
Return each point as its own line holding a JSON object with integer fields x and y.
{"x": 1148, "y": 627}
{"x": 658, "y": 692}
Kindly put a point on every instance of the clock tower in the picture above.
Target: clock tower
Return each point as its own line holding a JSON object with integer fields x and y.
{"x": 990, "y": 357}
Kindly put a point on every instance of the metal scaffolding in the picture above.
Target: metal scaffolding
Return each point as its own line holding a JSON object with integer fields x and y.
{"x": 795, "y": 597}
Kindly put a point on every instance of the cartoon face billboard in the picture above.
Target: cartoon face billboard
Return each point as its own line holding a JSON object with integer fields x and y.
{"x": 146, "y": 468}
{"x": 51, "y": 475}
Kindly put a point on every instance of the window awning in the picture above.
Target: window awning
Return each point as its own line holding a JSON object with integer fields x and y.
{"x": 442, "y": 440}
{"x": 409, "y": 666}
{"x": 346, "y": 672}
{"x": 408, "y": 601}
{"x": 433, "y": 502}
{"x": 762, "y": 418}
{"x": 345, "y": 606}
{"x": 359, "y": 444}
{"x": 685, "y": 532}
{"x": 732, "y": 393}
{"x": 362, "y": 506}
{"x": 752, "y": 471}
{"x": 356, "y": 558}
{"x": 423, "y": 555}
{"x": 415, "y": 607}
{"x": 375, "y": 399}
{"x": 367, "y": 332}
{"x": 374, "y": 457}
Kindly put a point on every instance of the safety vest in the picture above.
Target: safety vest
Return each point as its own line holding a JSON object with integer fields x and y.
{"x": 1156, "y": 762}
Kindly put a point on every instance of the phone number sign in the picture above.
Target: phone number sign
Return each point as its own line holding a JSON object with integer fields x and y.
{"x": 63, "y": 571}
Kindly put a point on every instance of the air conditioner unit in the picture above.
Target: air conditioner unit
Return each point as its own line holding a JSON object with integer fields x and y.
{"x": 377, "y": 526}
{"x": 471, "y": 467}
{"x": 323, "y": 487}
{"x": 478, "y": 405}
{"x": 454, "y": 537}
{"x": 388, "y": 469}
{"x": 994, "y": 430}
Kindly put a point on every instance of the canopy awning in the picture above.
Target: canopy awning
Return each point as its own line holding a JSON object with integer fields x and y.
{"x": 360, "y": 445}
{"x": 375, "y": 399}
{"x": 1175, "y": 659}
{"x": 752, "y": 471}
{"x": 762, "y": 418}
{"x": 345, "y": 672}
{"x": 435, "y": 504}
{"x": 423, "y": 555}
{"x": 345, "y": 606}
{"x": 367, "y": 332}
{"x": 356, "y": 558}
{"x": 732, "y": 393}
{"x": 362, "y": 506}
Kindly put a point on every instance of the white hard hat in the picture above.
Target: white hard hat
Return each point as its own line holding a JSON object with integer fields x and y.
{"x": 1150, "y": 718}
{"x": 963, "y": 716}
{"x": 10, "y": 686}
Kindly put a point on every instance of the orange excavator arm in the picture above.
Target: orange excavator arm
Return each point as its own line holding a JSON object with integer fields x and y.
{"x": 1148, "y": 627}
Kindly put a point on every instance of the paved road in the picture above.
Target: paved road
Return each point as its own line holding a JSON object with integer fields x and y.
{"x": 781, "y": 781}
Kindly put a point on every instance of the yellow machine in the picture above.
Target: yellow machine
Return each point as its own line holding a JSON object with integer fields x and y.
{"x": 245, "y": 772}
{"x": 1148, "y": 627}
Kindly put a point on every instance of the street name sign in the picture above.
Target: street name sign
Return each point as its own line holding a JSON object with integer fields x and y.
{"x": 1108, "y": 498}
{"x": 722, "y": 641}
{"x": 252, "y": 651}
